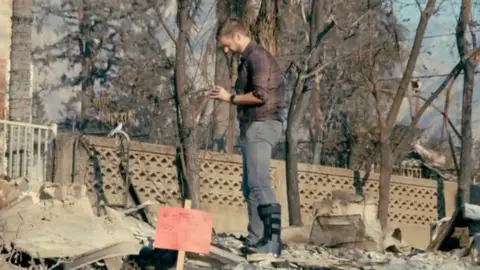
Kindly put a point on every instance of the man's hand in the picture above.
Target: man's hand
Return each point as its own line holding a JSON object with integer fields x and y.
{"x": 220, "y": 93}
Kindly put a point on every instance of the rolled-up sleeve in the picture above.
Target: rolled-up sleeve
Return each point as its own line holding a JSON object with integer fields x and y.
{"x": 258, "y": 68}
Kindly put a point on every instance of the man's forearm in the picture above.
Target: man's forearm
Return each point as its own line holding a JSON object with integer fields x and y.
{"x": 246, "y": 99}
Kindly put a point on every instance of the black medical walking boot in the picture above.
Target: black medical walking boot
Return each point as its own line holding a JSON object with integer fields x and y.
{"x": 271, "y": 243}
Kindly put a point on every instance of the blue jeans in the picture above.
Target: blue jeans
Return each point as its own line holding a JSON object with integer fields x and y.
{"x": 257, "y": 143}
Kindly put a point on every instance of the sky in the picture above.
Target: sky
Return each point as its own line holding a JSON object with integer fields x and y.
{"x": 438, "y": 55}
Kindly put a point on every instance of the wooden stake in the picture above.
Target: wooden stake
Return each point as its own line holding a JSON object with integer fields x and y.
{"x": 181, "y": 253}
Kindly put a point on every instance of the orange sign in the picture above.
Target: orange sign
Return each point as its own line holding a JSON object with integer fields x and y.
{"x": 183, "y": 229}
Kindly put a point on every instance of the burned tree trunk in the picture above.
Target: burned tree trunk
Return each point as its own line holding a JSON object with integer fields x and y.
{"x": 386, "y": 169}
{"x": 86, "y": 51}
{"x": 317, "y": 24}
{"x": 466, "y": 165}
{"x": 185, "y": 116}
{"x": 298, "y": 105}
{"x": 265, "y": 28}
{"x": 387, "y": 125}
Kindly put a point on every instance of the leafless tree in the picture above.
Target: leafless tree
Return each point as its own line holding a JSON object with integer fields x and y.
{"x": 464, "y": 51}
{"x": 336, "y": 45}
{"x": 265, "y": 30}
{"x": 334, "y": 55}
{"x": 112, "y": 48}
{"x": 185, "y": 117}
{"x": 386, "y": 125}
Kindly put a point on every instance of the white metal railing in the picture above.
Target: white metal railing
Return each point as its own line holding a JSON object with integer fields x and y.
{"x": 25, "y": 149}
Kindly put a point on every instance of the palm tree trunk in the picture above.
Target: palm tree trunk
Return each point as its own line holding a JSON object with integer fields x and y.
{"x": 20, "y": 90}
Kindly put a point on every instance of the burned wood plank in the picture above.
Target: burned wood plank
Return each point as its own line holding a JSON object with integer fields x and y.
{"x": 443, "y": 240}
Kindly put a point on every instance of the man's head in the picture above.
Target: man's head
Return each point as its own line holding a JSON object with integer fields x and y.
{"x": 232, "y": 35}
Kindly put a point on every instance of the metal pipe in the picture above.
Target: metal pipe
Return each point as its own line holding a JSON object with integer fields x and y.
{"x": 39, "y": 146}
{"x": 25, "y": 151}
{"x": 31, "y": 157}
{"x": 45, "y": 148}
{"x": 74, "y": 159}
{"x": 17, "y": 154}
{"x": 22, "y": 124}
{"x": 10, "y": 152}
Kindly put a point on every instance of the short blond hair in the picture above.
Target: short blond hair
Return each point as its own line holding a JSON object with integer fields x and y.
{"x": 232, "y": 26}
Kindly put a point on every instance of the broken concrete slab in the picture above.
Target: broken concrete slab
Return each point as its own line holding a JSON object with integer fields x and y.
{"x": 111, "y": 251}
{"x": 8, "y": 192}
{"x": 225, "y": 256}
{"x": 471, "y": 211}
{"x": 296, "y": 235}
{"x": 338, "y": 230}
{"x": 344, "y": 203}
{"x": 52, "y": 229}
{"x": 52, "y": 221}
{"x": 114, "y": 263}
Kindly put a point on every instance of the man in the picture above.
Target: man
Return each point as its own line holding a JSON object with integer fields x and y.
{"x": 259, "y": 96}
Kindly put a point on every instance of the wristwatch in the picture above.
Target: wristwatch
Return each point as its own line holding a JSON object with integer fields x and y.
{"x": 232, "y": 97}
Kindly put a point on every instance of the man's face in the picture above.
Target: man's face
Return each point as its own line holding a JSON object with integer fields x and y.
{"x": 229, "y": 43}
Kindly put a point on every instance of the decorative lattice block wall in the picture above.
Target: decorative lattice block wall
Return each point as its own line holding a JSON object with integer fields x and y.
{"x": 152, "y": 173}
{"x": 154, "y": 176}
{"x": 413, "y": 202}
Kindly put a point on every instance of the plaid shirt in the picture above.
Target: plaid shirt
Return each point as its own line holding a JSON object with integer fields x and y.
{"x": 259, "y": 73}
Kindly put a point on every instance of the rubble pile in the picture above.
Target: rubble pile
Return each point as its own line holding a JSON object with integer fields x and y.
{"x": 298, "y": 256}
{"x": 45, "y": 226}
